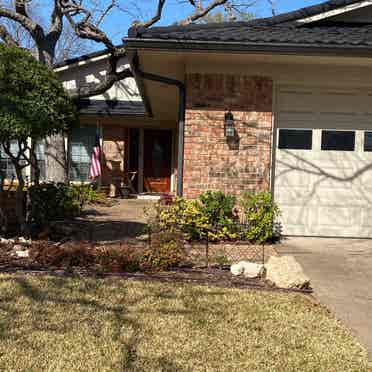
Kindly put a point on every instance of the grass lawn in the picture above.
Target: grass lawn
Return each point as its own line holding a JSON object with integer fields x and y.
{"x": 63, "y": 324}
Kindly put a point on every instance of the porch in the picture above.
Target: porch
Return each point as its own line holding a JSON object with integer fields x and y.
{"x": 138, "y": 157}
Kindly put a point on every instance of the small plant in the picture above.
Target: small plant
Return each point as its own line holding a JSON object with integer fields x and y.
{"x": 166, "y": 251}
{"x": 260, "y": 212}
{"x": 122, "y": 258}
{"x": 86, "y": 194}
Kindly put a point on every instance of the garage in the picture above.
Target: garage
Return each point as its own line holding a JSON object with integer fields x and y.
{"x": 323, "y": 161}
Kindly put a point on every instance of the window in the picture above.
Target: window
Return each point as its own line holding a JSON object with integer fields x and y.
{"x": 81, "y": 147}
{"x": 338, "y": 140}
{"x": 368, "y": 141}
{"x": 295, "y": 139}
{"x": 6, "y": 166}
{"x": 40, "y": 158}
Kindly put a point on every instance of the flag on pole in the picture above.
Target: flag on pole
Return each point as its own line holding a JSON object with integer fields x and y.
{"x": 95, "y": 165}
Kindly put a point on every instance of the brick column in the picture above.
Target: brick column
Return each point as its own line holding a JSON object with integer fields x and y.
{"x": 211, "y": 162}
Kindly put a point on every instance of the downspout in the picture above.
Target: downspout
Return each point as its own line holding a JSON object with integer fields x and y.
{"x": 181, "y": 114}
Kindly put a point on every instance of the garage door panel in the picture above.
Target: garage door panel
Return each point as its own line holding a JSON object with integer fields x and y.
{"x": 295, "y": 216}
{"x": 302, "y": 196}
{"x": 366, "y": 219}
{"x": 291, "y": 179}
{"x": 322, "y": 192}
{"x": 335, "y": 198}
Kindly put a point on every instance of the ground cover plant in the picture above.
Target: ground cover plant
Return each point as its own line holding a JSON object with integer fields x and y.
{"x": 59, "y": 324}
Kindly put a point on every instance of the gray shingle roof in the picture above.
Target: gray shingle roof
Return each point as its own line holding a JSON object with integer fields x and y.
{"x": 289, "y": 34}
{"x": 110, "y": 107}
{"x": 281, "y": 29}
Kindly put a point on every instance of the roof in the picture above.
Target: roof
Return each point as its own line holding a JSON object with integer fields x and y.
{"x": 278, "y": 30}
{"x": 111, "y": 107}
{"x": 85, "y": 57}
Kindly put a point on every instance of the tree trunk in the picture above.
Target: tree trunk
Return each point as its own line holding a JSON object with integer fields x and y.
{"x": 20, "y": 205}
{"x": 55, "y": 153}
{"x": 55, "y": 159}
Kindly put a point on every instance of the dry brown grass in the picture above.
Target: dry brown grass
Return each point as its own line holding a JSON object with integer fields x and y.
{"x": 64, "y": 324}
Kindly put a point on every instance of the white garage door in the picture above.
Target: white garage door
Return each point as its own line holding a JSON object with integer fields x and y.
{"x": 323, "y": 162}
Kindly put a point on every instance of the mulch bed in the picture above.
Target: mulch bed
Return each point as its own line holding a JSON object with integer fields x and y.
{"x": 216, "y": 275}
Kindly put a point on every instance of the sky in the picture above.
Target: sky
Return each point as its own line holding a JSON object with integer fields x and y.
{"x": 119, "y": 22}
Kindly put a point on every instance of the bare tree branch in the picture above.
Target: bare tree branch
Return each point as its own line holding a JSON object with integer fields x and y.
{"x": 157, "y": 16}
{"x": 7, "y": 37}
{"x": 200, "y": 11}
{"x": 106, "y": 12}
{"x": 33, "y": 28}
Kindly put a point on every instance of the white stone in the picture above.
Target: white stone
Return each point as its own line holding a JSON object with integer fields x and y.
{"x": 236, "y": 269}
{"x": 246, "y": 268}
{"x": 286, "y": 272}
{"x": 23, "y": 253}
{"x": 23, "y": 240}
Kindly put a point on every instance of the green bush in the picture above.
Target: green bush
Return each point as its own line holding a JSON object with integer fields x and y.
{"x": 51, "y": 202}
{"x": 166, "y": 251}
{"x": 260, "y": 212}
{"x": 57, "y": 201}
{"x": 86, "y": 194}
{"x": 211, "y": 215}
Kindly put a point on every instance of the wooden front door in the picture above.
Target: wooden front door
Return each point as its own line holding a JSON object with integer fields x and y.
{"x": 157, "y": 160}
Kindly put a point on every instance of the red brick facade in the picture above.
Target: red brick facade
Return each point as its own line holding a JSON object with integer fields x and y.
{"x": 211, "y": 162}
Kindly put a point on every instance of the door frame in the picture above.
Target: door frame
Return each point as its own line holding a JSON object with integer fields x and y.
{"x": 141, "y": 158}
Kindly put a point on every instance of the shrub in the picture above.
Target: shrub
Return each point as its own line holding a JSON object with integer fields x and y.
{"x": 211, "y": 215}
{"x": 86, "y": 194}
{"x": 166, "y": 251}
{"x": 56, "y": 201}
{"x": 125, "y": 258}
{"x": 51, "y": 202}
{"x": 260, "y": 212}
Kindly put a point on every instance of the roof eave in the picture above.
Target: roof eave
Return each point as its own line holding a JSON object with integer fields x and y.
{"x": 248, "y": 47}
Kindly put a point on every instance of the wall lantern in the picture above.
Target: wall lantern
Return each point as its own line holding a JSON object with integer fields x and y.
{"x": 229, "y": 125}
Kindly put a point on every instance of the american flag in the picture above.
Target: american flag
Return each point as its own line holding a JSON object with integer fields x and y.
{"x": 95, "y": 165}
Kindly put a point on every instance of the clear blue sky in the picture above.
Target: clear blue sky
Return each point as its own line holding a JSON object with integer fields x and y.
{"x": 118, "y": 23}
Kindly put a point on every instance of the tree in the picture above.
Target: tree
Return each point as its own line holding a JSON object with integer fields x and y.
{"x": 33, "y": 105}
{"x": 86, "y": 18}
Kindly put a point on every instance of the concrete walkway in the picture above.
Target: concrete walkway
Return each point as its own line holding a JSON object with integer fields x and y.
{"x": 341, "y": 275}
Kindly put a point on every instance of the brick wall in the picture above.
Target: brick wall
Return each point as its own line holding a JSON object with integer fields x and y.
{"x": 211, "y": 162}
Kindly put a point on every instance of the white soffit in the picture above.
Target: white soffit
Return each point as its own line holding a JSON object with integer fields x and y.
{"x": 335, "y": 12}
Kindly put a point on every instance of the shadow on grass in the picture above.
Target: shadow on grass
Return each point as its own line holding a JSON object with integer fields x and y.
{"x": 56, "y": 291}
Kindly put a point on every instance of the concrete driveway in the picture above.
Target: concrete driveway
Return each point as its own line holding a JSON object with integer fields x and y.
{"x": 341, "y": 275}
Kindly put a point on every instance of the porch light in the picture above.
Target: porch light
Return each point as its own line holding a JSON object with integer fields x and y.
{"x": 229, "y": 125}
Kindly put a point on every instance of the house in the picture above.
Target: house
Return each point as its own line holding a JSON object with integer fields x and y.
{"x": 281, "y": 104}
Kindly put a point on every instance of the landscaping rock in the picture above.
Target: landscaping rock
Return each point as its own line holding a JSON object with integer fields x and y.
{"x": 24, "y": 241}
{"x": 286, "y": 272}
{"x": 22, "y": 254}
{"x": 247, "y": 269}
{"x": 7, "y": 241}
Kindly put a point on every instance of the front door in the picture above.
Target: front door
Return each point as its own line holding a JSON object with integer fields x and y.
{"x": 157, "y": 160}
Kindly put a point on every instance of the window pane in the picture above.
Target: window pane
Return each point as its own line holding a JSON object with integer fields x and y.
{"x": 338, "y": 140}
{"x": 81, "y": 148}
{"x": 295, "y": 139}
{"x": 367, "y": 141}
{"x": 40, "y": 158}
{"x": 6, "y": 165}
